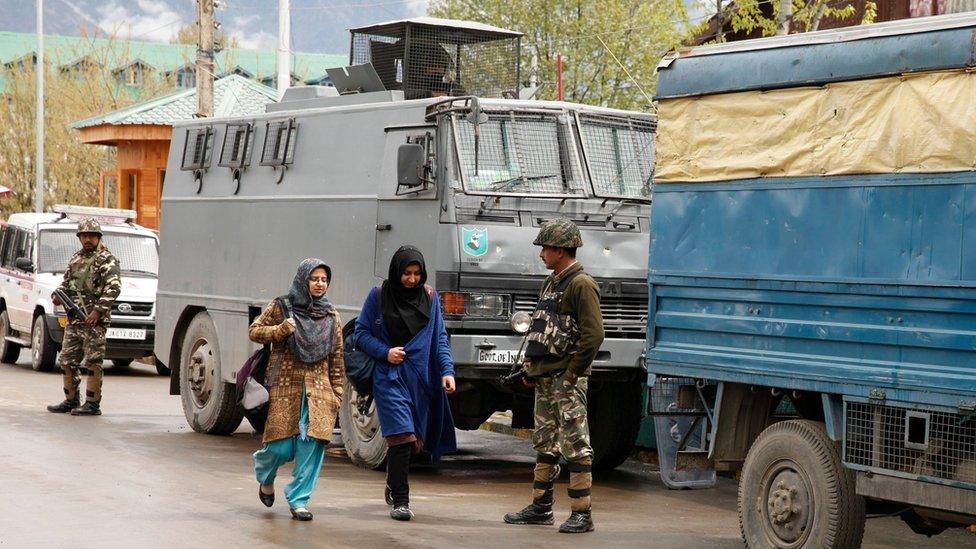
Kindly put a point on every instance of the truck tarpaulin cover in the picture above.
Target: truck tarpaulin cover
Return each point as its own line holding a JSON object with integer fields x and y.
{"x": 914, "y": 123}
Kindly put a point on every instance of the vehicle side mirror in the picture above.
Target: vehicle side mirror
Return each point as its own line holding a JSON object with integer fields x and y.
{"x": 411, "y": 158}
{"x": 24, "y": 264}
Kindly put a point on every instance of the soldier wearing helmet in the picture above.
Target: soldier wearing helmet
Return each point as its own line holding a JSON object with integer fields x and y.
{"x": 92, "y": 280}
{"x": 563, "y": 340}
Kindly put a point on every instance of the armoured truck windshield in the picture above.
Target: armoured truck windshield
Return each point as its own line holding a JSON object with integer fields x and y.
{"x": 556, "y": 154}
{"x": 137, "y": 254}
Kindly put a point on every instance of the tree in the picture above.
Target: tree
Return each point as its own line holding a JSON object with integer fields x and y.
{"x": 610, "y": 48}
{"x": 781, "y": 17}
{"x": 72, "y": 169}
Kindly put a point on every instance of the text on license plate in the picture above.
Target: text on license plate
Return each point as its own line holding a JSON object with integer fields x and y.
{"x": 125, "y": 333}
{"x": 497, "y": 357}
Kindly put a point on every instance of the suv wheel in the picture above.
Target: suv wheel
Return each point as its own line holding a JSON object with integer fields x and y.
{"x": 44, "y": 351}
{"x": 9, "y": 351}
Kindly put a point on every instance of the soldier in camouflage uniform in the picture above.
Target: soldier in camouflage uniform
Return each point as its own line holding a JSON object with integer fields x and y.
{"x": 93, "y": 281}
{"x": 566, "y": 333}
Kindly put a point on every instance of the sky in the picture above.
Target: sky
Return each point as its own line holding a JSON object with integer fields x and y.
{"x": 318, "y": 26}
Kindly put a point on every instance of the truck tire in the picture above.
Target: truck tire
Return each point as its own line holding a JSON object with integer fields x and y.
{"x": 613, "y": 412}
{"x": 794, "y": 492}
{"x": 44, "y": 351}
{"x": 9, "y": 352}
{"x": 209, "y": 404}
{"x": 361, "y": 434}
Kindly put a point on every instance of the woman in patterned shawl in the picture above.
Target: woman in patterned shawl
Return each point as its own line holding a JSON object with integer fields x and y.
{"x": 305, "y": 375}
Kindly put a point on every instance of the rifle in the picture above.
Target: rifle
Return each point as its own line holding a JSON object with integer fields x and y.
{"x": 518, "y": 372}
{"x": 69, "y": 304}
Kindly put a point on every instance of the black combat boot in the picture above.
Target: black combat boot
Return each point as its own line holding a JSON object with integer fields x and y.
{"x": 577, "y": 523}
{"x": 89, "y": 408}
{"x": 63, "y": 408}
{"x": 537, "y": 512}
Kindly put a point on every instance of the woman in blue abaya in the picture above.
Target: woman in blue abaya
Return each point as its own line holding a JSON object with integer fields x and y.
{"x": 401, "y": 327}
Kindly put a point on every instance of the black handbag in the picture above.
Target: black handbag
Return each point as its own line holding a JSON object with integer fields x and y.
{"x": 255, "y": 369}
{"x": 359, "y": 365}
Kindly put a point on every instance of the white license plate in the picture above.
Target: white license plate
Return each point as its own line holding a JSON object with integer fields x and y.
{"x": 497, "y": 357}
{"x": 125, "y": 333}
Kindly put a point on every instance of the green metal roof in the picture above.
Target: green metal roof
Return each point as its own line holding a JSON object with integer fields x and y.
{"x": 163, "y": 57}
{"x": 234, "y": 95}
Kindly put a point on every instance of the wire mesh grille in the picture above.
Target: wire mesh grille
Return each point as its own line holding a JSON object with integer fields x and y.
{"x": 279, "y": 143}
{"x": 426, "y": 61}
{"x": 237, "y": 146}
{"x": 620, "y": 154}
{"x": 664, "y": 397}
{"x": 196, "y": 149}
{"x": 876, "y": 437}
{"x": 520, "y": 153}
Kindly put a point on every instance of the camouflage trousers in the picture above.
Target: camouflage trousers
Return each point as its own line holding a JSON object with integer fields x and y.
{"x": 561, "y": 429}
{"x": 83, "y": 343}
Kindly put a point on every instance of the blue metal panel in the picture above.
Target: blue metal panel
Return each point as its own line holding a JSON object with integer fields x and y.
{"x": 841, "y": 285}
{"x": 805, "y": 64}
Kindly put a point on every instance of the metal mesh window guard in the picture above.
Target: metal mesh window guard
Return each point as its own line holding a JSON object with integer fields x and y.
{"x": 876, "y": 437}
{"x": 197, "y": 148}
{"x": 279, "y": 143}
{"x": 519, "y": 153}
{"x": 134, "y": 252}
{"x": 237, "y": 146}
{"x": 619, "y": 153}
{"x": 428, "y": 61}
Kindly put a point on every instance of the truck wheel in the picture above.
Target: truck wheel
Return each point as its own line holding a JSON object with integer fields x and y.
{"x": 9, "y": 352}
{"x": 794, "y": 492}
{"x": 614, "y": 414}
{"x": 44, "y": 351}
{"x": 209, "y": 404}
{"x": 361, "y": 433}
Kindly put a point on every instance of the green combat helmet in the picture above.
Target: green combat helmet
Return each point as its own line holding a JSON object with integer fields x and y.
{"x": 559, "y": 233}
{"x": 89, "y": 225}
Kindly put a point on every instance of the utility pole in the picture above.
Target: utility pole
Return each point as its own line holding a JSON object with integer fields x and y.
{"x": 205, "y": 58}
{"x": 39, "y": 132}
{"x": 284, "y": 40}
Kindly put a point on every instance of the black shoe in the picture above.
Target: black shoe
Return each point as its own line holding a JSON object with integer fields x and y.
{"x": 266, "y": 499}
{"x": 401, "y": 512}
{"x": 300, "y": 513}
{"x": 577, "y": 523}
{"x": 87, "y": 409}
{"x": 534, "y": 513}
{"x": 64, "y": 407}
{"x": 388, "y": 494}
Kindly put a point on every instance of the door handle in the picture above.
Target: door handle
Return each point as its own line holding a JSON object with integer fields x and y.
{"x": 384, "y": 227}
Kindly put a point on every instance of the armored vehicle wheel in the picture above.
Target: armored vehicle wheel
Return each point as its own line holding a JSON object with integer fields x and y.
{"x": 9, "y": 352}
{"x": 121, "y": 362}
{"x": 209, "y": 404}
{"x": 361, "y": 433}
{"x": 44, "y": 351}
{"x": 613, "y": 413}
{"x": 795, "y": 493}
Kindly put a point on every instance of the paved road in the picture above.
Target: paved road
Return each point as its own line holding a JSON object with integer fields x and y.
{"x": 139, "y": 477}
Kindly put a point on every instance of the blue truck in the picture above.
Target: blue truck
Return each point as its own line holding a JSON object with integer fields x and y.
{"x": 812, "y": 277}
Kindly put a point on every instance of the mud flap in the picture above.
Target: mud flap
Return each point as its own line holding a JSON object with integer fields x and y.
{"x": 680, "y": 428}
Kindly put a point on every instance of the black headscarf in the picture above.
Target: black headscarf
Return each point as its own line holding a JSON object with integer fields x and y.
{"x": 314, "y": 335}
{"x": 406, "y": 311}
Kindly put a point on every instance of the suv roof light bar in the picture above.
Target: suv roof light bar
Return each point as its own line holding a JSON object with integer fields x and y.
{"x": 111, "y": 216}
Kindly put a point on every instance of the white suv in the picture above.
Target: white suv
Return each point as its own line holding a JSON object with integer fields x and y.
{"x": 34, "y": 252}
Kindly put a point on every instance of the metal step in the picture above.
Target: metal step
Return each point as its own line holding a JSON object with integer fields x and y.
{"x": 18, "y": 341}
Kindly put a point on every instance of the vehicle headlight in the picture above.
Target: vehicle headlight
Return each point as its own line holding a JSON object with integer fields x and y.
{"x": 475, "y": 304}
{"x": 521, "y": 321}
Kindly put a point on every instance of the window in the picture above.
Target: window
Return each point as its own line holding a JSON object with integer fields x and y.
{"x": 196, "y": 149}
{"x": 186, "y": 78}
{"x": 110, "y": 194}
{"x": 5, "y": 236}
{"x": 279, "y": 143}
{"x": 137, "y": 254}
{"x": 619, "y": 152}
{"x": 16, "y": 244}
{"x": 237, "y": 144}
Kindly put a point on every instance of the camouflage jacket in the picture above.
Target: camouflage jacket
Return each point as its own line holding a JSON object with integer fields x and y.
{"x": 93, "y": 280}
{"x": 581, "y": 300}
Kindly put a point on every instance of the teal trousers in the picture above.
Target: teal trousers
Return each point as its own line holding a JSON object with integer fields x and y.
{"x": 306, "y": 452}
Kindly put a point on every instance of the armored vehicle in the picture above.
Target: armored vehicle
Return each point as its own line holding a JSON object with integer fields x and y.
{"x": 423, "y": 140}
{"x": 812, "y": 280}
